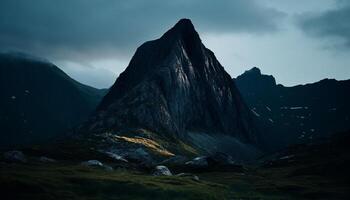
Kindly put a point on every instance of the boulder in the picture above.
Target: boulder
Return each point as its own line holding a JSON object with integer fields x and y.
{"x": 161, "y": 170}
{"x": 92, "y": 163}
{"x": 15, "y": 156}
{"x": 198, "y": 162}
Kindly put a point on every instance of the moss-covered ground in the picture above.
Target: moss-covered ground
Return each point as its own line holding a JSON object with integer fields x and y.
{"x": 73, "y": 181}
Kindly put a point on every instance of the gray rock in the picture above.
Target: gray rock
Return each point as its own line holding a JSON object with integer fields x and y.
{"x": 115, "y": 157}
{"x": 175, "y": 160}
{"x": 162, "y": 170}
{"x": 92, "y": 163}
{"x": 15, "y": 156}
{"x": 46, "y": 159}
{"x": 199, "y": 162}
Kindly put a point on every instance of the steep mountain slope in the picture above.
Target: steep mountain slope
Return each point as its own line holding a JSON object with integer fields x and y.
{"x": 175, "y": 87}
{"x": 39, "y": 101}
{"x": 299, "y": 113}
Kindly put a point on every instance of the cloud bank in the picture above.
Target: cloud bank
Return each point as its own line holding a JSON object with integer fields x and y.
{"x": 331, "y": 25}
{"x": 80, "y": 29}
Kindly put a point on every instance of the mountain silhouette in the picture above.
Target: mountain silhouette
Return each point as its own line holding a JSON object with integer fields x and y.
{"x": 295, "y": 114}
{"x": 39, "y": 101}
{"x": 175, "y": 87}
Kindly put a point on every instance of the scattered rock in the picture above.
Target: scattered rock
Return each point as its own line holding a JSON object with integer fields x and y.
{"x": 189, "y": 175}
{"x": 162, "y": 170}
{"x": 198, "y": 162}
{"x": 92, "y": 163}
{"x": 115, "y": 157}
{"x": 46, "y": 159}
{"x": 175, "y": 160}
{"x": 15, "y": 156}
{"x": 214, "y": 162}
{"x": 221, "y": 159}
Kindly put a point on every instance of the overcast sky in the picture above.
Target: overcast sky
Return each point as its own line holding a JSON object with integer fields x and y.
{"x": 297, "y": 41}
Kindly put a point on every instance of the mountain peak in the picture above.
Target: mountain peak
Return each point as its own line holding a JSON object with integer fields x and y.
{"x": 175, "y": 87}
{"x": 254, "y": 70}
{"x": 183, "y": 29}
{"x": 184, "y": 24}
{"x": 254, "y": 78}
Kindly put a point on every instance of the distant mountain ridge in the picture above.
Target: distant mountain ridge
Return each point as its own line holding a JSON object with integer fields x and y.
{"x": 39, "y": 101}
{"x": 299, "y": 113}
{"x": 176, "y": 88}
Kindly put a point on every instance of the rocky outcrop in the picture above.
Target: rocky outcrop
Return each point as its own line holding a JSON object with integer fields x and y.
{"x": 215, "y": 162}
{"x": 198, "y": 162}
{"x": 173, "y": 86}
{"x": 161, "y": 170}
{"x": 15, "y": 156}
{"x": 94, "y": 163}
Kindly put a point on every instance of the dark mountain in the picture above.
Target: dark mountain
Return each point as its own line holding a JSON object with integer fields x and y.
{"x": 296, "y": 114}
{"x": 176, "y": 88}
{"x": 39, "y": 101}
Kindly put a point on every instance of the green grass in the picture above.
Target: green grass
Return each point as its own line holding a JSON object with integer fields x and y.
{"x": 78, "y": 182}
{"x": 69, "y": 180}
{"x": 277, "y": 184}
{"x": 72, "y": 181}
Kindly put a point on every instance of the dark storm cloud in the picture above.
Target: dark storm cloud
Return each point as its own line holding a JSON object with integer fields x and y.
{"x": 69, "y": 29}
{"x": 331, "y": 24}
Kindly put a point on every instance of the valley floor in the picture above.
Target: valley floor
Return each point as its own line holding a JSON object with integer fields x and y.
{"x": 73, "y": 181}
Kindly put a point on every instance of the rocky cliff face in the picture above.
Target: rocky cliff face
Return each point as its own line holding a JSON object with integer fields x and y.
{"x": 300, "y": 113}
{"x": 174, "y": 86}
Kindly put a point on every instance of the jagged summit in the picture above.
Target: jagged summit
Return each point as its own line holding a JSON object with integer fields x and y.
{"x": 254, "y": 78}
{"x": 183, "y": 28}
{"x": 254, "y": 70}
{"x": 174, "y": 86}
{"x": 184, "y": 23}
{"x": 181, "y": 38}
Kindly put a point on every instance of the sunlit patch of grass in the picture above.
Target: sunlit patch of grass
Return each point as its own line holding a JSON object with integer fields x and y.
{"x": 148, "y": 143}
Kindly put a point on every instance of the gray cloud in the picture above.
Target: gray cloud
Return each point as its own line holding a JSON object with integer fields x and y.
{"x": 332, "y": 24}
{"x": 81, "y": 29}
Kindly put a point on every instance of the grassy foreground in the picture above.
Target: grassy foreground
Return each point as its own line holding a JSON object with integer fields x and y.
{"x": 78, "y": 182}
{"x": 72, "y": 181}
{"x": 317, "y": 171}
